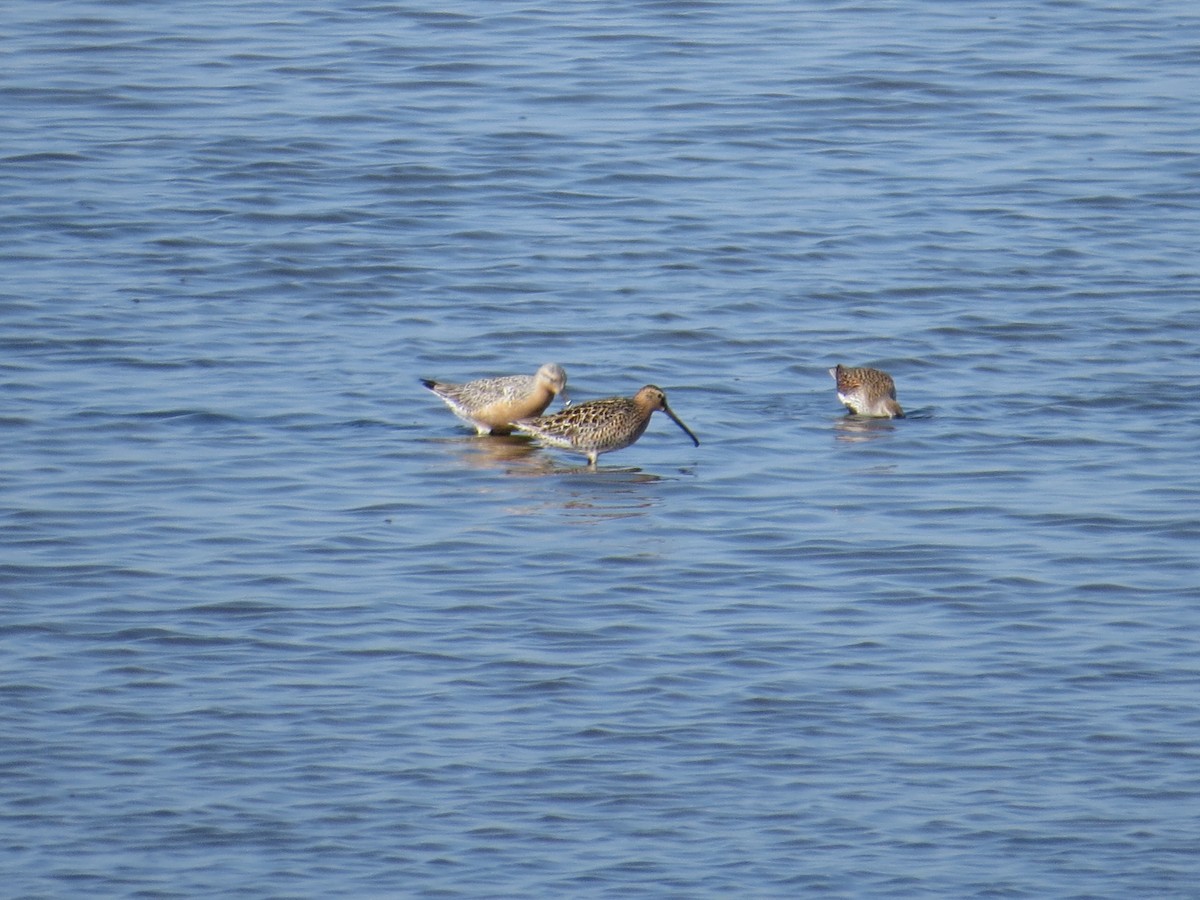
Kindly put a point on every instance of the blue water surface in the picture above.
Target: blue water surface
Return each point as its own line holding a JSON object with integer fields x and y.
{"x": 274, "y": 623}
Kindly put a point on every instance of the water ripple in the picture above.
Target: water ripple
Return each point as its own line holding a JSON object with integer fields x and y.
{"x": 274, "y": 622}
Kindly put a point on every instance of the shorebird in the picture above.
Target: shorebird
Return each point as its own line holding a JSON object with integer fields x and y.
{"x": 492, "y": 404}
{"x": 867, "y": 392}
{"x": 601, "y": 426}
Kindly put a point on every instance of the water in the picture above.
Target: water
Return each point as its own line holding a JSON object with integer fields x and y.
{"x": 275, "y": 624}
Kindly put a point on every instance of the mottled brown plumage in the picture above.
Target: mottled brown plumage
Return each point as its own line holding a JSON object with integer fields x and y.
{"x": 867, "y": 392}
{"x": 492, "y": 404}
{"x": 601, "y": 426}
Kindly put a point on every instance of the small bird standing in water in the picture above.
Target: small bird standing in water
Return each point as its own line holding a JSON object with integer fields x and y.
{"x": 492, "y": 404}
{"x": 601, "y": 426}
{"x": 867, "y": 392}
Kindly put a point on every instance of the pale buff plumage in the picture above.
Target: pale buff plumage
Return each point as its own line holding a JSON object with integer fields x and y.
{"x": 867, "y": 392}
{"x": 491, "y": 405}
{"x": 601, "y": 426}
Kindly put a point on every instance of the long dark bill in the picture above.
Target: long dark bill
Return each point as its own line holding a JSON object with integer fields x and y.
{"x": 679, "y": 422}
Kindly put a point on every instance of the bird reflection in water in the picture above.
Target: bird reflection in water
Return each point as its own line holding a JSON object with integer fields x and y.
{"x": 624, "y": 498}
{"x": 582, "y": 494}
{"x": 857, "y": 428}
{"x": 515, "y": 455}
{"x": 587, "y": 496}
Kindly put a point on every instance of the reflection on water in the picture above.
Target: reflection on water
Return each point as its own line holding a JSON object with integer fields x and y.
{"x": 862, "y": 428}
{"x": 582, "y": 493}
{"x": 604, "y": 505}
{"x": 514, "y": 454}
{"x": 587, "y": 495}
{"x": 851, "y": 427}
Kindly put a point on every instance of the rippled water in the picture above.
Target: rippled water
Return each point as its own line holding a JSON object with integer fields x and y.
{"x": 276, "y": 624}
